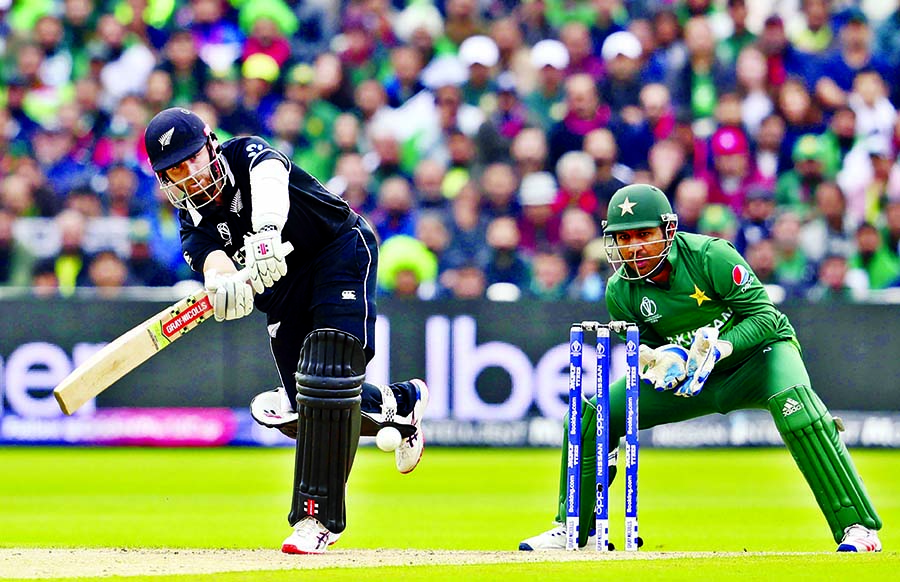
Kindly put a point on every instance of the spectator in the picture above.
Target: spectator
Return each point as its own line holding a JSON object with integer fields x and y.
{"x": 732, "y": 174}
{"x": 667, "y": 167}
{"x": 761, "y": 256}
{"x": 755, "y": 223}
{"x": 529, "y": 151}
{"x": 720, "y": 221}
{"x": 585, "y": 113}
{"x": 268, "y": 35}
{"x": 753, "y": 88}
{"x": 729, "y": 48}
{"x": 129, "y": 63}
{"x": 576, "y": 172}
{"x": 70, "y": 263}
{"x": 403, "y": 82}
{"x": 145, "y": 269}
{"x": 795, "y": 188}
{"x": 865, "y": 176}
{"x": 840, "y": 66}
{"x": 44, "y": 282}
{"x": 479, "y": 54}
{"x": 499, "y": 185}
{"x": 539, "y": 224}
{"x": 576, "y": 230}
{"x": 395, "y": 212}
{"x": 698, "y": 82}
{"x": 793, "y": 269}
{"x": 217, "y": 37}
{"x": 467, "y": 282}
{"x": 891, "y": 232}
{"x": 515, "y": 55}
{"x": 468, "y": 230}
{"x": 188, "y": 73}
{"x": 783, "y": 59}
{"x": 108, "y": 273}
{"x": 801, "y": 114}
{"x": 499, "y": 129}
{"x": 621, "y": 85}
{"x": 406, "y": 268}
{"x": 869, "y": 100}
{"x": 691, "y": 198}
{"x": 506, "y": 264}
{"x": 550, "y": 59}
{"x": 463, "y": 20}
{"x": 813, "y": 33}
{"x": 657, "y": 110}
{"x": 839, "y": 139}
{"x": 16, "y": 262}
{"x": 829, "y": 230}
{"x": 223, "y": 91}
{"x": 589, "y": 283}
{"x": 874, "y": 259}
{"x": 259, "y": 74}
{"x": 576, "y": 37}
{"x": 427, "y": 180}
{"x": 610, "y": 175}
{"x": 551, "y": 275}
{"x": 431, "y": 229}
{"x": 834, "y": 282}
{"x": 767, "y": 156}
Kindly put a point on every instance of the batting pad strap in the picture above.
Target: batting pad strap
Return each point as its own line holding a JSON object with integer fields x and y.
{"x": 329, "y": 387}
{"x": 812, "y": 438}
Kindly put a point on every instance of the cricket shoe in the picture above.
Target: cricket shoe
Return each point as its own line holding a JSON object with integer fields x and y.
{"x": 273, "y": 409}
{"x": 860, "y": 539}
{"x": 553, "y": 539}
{"x": 309, "y": 537}
{"x": 412, "y": 447}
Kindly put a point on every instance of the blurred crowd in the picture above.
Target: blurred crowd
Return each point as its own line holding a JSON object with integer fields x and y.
{"x": 481, "y": 138}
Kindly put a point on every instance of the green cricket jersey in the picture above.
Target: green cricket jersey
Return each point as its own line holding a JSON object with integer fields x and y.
{"x": 710, "y": 284}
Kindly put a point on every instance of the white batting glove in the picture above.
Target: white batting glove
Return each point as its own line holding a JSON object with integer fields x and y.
{"x": 264, "y": 256}
{"x": 664, "y": 367}
{"x": 232, "y": 296}
{"x": 705, "y": 351}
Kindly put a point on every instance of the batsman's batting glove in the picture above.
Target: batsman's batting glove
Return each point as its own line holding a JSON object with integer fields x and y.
{"x": 664, "y": 367}
{"x": 232, "y": 296}
{"x": 706, "y": 350}
{"x": 264, "y": 255}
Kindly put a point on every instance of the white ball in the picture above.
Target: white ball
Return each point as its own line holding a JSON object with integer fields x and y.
{"x": 388, "y": 439}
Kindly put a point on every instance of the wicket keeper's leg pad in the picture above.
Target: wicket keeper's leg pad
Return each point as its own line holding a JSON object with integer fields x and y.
{"x": 810, "y": 433}
{"x": 329, "y": 383}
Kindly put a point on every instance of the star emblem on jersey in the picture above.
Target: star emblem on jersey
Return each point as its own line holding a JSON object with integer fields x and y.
{"x": 699, "y": 295}
{"x": 627, "y": 206}
{"x": 166, "y": 138}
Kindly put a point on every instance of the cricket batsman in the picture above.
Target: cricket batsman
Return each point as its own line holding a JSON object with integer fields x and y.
{"x": 238, "y": 203}
{"x": 712, "y": 342}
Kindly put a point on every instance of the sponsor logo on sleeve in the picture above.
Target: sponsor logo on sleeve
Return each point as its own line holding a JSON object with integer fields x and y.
{"x": 742, "y": 277}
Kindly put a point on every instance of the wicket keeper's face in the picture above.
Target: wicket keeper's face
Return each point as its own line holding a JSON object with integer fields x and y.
{"x": 642, "y": 249}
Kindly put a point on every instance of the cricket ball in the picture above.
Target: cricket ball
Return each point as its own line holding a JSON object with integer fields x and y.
{"x": 388, "y": 439}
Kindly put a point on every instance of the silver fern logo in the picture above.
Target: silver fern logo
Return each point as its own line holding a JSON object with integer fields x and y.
{"x": 166, "y": 138}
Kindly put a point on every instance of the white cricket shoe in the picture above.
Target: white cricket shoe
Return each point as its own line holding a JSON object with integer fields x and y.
{"x": 409, "y": 453}
{"x": 552, "y": 539}
{"x": 309, "y": 537}
{"x": 858, "y": 538}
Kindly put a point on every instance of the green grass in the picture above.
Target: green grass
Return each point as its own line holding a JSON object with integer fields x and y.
{"x": 750, "y": 500}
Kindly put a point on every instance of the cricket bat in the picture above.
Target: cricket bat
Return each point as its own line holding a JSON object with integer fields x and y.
{"x": 135, "y": 347}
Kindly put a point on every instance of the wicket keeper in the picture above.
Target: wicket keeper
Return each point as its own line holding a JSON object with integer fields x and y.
{"x": 712, "y": 342}
{"x": 238, "y": 203}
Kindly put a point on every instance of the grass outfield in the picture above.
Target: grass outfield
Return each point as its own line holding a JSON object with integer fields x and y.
{"x": 736, "y": 501}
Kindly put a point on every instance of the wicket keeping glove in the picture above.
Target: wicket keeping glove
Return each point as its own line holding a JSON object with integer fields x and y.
{"x": 264, "y": 255}
{"x": 664, "y": 367}
{"x": 232, "y": 296}
{"x": 705, "y": 351}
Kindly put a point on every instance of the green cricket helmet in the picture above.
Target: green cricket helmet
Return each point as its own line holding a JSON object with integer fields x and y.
{"x": 634, "y": 207}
